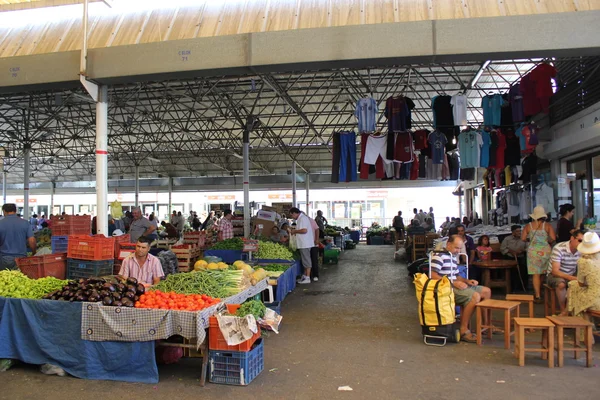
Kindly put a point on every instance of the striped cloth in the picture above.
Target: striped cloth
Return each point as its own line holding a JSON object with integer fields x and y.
{"x": 444, "y": 264}
{"x": 568, "y": 261}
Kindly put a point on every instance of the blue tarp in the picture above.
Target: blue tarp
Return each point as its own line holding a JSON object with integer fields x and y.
{"x": 49, "y": 332}
{"x": 228, "y": 256}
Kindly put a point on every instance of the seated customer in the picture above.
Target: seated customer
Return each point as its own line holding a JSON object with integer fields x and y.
{"x": 512, "y": 246}
{"x": 563, "y": 267}
{"x": 415, "y": 228}
{"x": 428, "y": 225}
{"x": 467, "y": 292}
{"x": 275, "y": 234}
{"x": 584, "y": 294}
{"x": 284, "y": 234}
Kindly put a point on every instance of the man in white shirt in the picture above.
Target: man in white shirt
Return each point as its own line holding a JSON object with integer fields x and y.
{"x": 305, "y": 239}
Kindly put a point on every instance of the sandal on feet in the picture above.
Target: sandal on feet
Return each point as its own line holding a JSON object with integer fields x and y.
{"x": 538, "y": 300}
{"x": 468, "y": 337}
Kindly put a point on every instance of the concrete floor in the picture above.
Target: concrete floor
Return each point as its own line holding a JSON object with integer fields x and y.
{"x": 358, "y": 327}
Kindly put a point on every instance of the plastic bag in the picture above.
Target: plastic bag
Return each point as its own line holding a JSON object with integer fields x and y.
{"x": 169, "y": 263}
{"x": 293, "y": 243}
{"x": 168, "y": 355}
{"x": 270, "y": 321}
{"x": 50, "y": 369}
{"x": 44, "y": 251}
{"x": 6, "y": 364}
{"x": 213, "y": 259}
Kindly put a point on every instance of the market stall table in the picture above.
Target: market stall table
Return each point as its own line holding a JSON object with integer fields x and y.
{"x": 501, "y": 265}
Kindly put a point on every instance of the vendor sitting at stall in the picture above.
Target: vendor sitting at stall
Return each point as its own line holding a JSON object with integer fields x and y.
{"x": 284, "y": 233}
{"x": 275, "y": 234}
{"x": 141, "y": 265}
{"x": 170, "y": 231}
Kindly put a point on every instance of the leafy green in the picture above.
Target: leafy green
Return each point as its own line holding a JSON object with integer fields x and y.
{"x": 229, "y": 244}
{"x": 254, "y": 307}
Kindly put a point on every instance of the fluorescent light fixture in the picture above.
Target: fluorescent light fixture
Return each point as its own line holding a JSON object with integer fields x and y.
{"x": 479, "y": 73}
{"x": 153, "y": 159}
{"x": 236, "y": 155}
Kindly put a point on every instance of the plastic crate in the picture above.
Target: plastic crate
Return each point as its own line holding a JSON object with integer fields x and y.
{"x": 71, "y": 225}
{"x": 59, "y": 244}
{"x": 216, "y": 341}
{"x": 376, "y": 241}
{"x": 41, "y": 266}
{"x": 236, "y": 368}
{"x": 91, "y": 248}
{"x": 118, "y": 240}
{"x": 87, "y": 269}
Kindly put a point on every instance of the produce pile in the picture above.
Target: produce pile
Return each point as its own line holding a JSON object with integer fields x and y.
{"x": 273, "y": 251}
{"x": 213, "y": 283}
{"x": 17, "y": 285}
{"x": 276, "y": 267}
{"x": 203, "y": 265}
{"x": 175, "y": 301}
{"x": 229, "y": 244}
{"x": 377, "y": 230}
{"x": 118, "y": 293}
{"x": 254, "y": 307}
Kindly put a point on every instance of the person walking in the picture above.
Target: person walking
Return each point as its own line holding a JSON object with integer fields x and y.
{"x": 540, "y": 235}
{"x": 15, "y": 235}
{"x": 305, "y": 237}
{"x": 398, "y": 225}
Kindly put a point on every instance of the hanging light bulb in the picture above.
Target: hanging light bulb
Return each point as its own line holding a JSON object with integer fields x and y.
{"x": 454, "y": 140}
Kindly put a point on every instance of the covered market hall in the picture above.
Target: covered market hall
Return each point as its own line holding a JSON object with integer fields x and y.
{"x": 306, "y": 198}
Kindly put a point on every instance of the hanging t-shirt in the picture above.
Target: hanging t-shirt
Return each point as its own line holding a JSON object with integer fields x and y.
{"x": 493, "y": 148}
{"x": 396, "y": 111}
{"x": 531, "y": 105}
{"x": 469, "y": 143}
{"x": 544, "y": 196}
{"x": 525, "y": 206}
{"x": 442, "y": 111}
{"x": 506, "y": 118}
{"x": 542, "y": 77}
{"x": 484, "y": 160}
{"x": 420, "y": 138}
{"x": 522, "y": 140}
{"x": 512, "y": 154}
{"x": 411, "y": 105}
{"x": 526, "y": 132}
{"x": 459, "y": 109}
{"x": 438, "y": 146}
{"x": 404, "y": 147}
{"x": 116, "y": 209}
{"x": 500, "y": 151}
{"x": 366, "y": 113}
{"x": 529, "y": 168}
{"x": 516, "y": 103}
{"x": 492, "y": 112}
{"x": 414, "y": 169}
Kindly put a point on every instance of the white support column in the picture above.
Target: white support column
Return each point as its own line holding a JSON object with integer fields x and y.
{"x": 102, "y": 161}
{"x": 3, "y": 184}
{"x": 307, "y": 193}
{"x": 52, "y": 190}
{"x": 137, "y": 185}
{"x": 170, "y": 195}
{"x": 294, "y": 204}
{"x": 246, "y": 156}
{"x": 26, "y": 166}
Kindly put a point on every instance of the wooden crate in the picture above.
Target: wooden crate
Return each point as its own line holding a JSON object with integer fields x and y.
{"x": 165, "y": 243}
{"x": 186, "y": 265}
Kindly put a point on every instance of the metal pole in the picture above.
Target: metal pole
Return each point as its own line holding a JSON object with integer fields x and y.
{"x": 102, "y": 161}
{"x": 137, "y": 185}
{"x": 170, "y": 194}
{"x": 246, "y": 154}
{"x": 52, "y": 190}
{"x": 294, "y": 184}
{"x": 3, "y": 183}
{"x": 307, "y": 193}
{"x": 27, "y": 160}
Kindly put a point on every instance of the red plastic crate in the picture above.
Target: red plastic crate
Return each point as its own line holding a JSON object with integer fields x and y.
{"x": 130, "y": 247}
{"x": 64, "y": 225}
{"x": 118, "y": 240}
{"x": 216, "y": 341}
{"x": 36, "y": 267}
{"x": 91, "y": 248}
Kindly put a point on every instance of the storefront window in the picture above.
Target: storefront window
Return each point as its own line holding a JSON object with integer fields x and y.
{"x": 580, "y": 184}
{"x": 596, "y": 184}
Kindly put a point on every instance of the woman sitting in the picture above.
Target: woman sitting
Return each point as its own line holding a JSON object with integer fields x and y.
{"x": 584, "y": 293}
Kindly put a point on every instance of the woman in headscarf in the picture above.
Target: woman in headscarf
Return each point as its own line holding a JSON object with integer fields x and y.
{"x": 584, "y": 293}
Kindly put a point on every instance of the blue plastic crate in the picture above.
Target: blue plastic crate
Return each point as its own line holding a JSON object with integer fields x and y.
{"x": 86, "y": 269}
{"x": 59, "y": 244}
{"x": 236, "y": 367}
{"x": 228, "y": 256}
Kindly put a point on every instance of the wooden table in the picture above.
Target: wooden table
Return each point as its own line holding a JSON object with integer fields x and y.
{"x": 501, "y": 265}
{"x": 487, "y": 306}
{"x": 576, "y": 324}
{"x": 546, "y": 345}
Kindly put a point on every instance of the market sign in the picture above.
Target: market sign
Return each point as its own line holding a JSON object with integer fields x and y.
{"x": 377, "y": 194}
{"x": 222, "y": 197}
{"x": 22, "y": 201}
{"x": 280, "y": 196}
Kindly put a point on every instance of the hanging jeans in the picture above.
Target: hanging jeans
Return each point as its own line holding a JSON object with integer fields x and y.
{"x": 335, "y": 162}
{"x": 348, "y": 168}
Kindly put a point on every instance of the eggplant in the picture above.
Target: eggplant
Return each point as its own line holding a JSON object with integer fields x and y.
{"x": 136, "y": 298}
{"x": 126, "y": 302}
{"x": 140, "y": 289}
{"x": 93, "y": 299}
{"x": 132, "y": 281}
{"x": 66, "y": 287}
{"x": 104, "y": 293}
{"x": 117, "y": 303}
{"x": 79, "y": 298}
{"x": 109, "y": 287}
{"x": 61, "y": 299}
{"x": 116, "y": 295}
{"x": 107, "y": 301}
{"x": 121, "y": 287}
{"x": 130, "y": 295}
{"x": 131, "y": 288}
{"x": 94, "y": 293}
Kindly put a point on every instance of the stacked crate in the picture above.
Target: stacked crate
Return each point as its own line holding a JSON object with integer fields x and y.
{"x": 65, "y": 225}
{"x": 90, "y": 256}
{"x": 36, "y": 267}
{"x": 187, "y": 255}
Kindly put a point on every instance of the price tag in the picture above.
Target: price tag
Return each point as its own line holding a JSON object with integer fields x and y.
{"x": 250, "y": 245}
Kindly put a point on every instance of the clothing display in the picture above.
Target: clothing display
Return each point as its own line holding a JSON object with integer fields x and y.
{"x": 536, "y": 89}
{"x": 404, "y": 150}
{"x": 348, "y": 167}
{"x": 529, "y": 165}
{"x": 442, "y": 112}
{"x": 366, "y": 113}
{"x": 459, "y": 104}
{"x": 492, "y": 112}
{"x": 515, "y": 99}
{"x": 525, "y": 133}
{"x": 512, "y": 153}
{"x": 484, "y": 161}
{"x": 544, "y": 196}
{"x": 506, "y": 118}
{"x": 335, "y": 162}
{"x": 420, "y": 138}
{"x": 396, "y": 111}
{"x": 525, "y": 205}
{"x": 438, "y": 146}
{"x": 469, "y": 146}
{"x": 500, "y": 150}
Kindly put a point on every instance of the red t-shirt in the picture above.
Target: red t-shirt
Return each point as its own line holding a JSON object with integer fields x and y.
{"x": 420, "y": 137}
{"x": 414, "y": 169}
{"x": 531, "y": 105}
{"x": 500, "y": 150}
{"x": 542, "y": 77}
{"x": 404, "y": 147}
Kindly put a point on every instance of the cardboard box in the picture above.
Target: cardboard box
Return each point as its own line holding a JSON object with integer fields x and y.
{"x": 268, "y": 208}
{"x": 266, "y": 215}
{"x": 266, "y": 227}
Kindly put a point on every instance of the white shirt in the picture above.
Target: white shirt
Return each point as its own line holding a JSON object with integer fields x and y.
{"x": 459, "y": 109}
{"x": 544, "y": 196}
{"x": 305, "y": 240}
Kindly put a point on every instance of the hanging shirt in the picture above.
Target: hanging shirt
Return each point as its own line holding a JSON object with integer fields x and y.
{"x": 522, "y": 139}
{"x": 375, "y": 148}
{"x": 542, "y": 78}
{"x": 469, "y": 143}
{"x": 492, "y": 112}
{"x": 512, "y": 154}
{"x": 420, "y": 138}
{"x": 442, "y": 111}
{"x": 404, "y": 147}
{"x": 531, "y": 105}
{"x": 544, "y": 196}
{"x": 500, "y": 151}
{"x": 396, "y": 111}
{"x": 506, "y": 118}
{"x": 459, "y": 109}
{"x": 529, "y": 165}
{"x": 438, "y": 146}
{"x": 516, "y": 103}
{"x": 366, "y": 113}
{"x": 484, "y": 159}
{"x": 526, "y": 132}
{"x": 411, "y": 105}
{"x": 493, "y": 148}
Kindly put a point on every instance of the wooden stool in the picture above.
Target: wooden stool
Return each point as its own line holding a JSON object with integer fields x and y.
{"x": 575, "y": 323}
{"x": 488, "y": 306}
{"x": 547, "y": 349}
{"x": 549, "y": 300}
{"x": 523, "y": 298}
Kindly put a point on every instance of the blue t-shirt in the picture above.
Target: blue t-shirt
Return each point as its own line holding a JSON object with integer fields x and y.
{"x": 438, "y": 146}
{"x": 366, "y": 113}
{"x": 522, "y": 138}
{"x": 485, "y": 149}
{"x": 492, "y": 109}
{"x": 14, "y": 232}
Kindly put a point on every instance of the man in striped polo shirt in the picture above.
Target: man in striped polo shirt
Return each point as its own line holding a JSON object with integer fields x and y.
{"x": 467, "y": 292}
{"x": 563, "y": 267}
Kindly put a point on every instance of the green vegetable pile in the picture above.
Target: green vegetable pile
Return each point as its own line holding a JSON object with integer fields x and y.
{"x": 273, "y": 251}
{"x": 276, "y": 267}
{"x": 229, "y": 244}
{"x": 213, "y": 283}
{"x": 254, "y": 307}
{"x": 18, "y": 285}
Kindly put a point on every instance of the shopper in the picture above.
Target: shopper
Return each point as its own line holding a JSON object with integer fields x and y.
{"x": 34, "y": 222}
{"x": 540, "y": 235}
{"x": 275, "y": 234}
{"x": 305, "y": 239}
{"x": 565, "y": 227}
{"x": 563, "y": 267}
{"x": 170, "y": 232}
{"x": 513, "y": 247}
{"x": 140, "y": 226}
{"x": 428, "y": 225}
{"x": 321, "y": 222}
{"x": 421, "y": 216}
{"x": 196, "y": 224}
{"x": 432, "y": 216}
{"x": 225, "y": 226}
{"x": 314, "y": 251}
{"x": 15, "y": 235}
{"x": 208, "y": 221}
{"x": 153, "y": 220}
{"x": 141, "y": 265}
{"x": 284, "y": 234}
{"x": 398, "y": 225}
{"x": 584, "y": 294}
